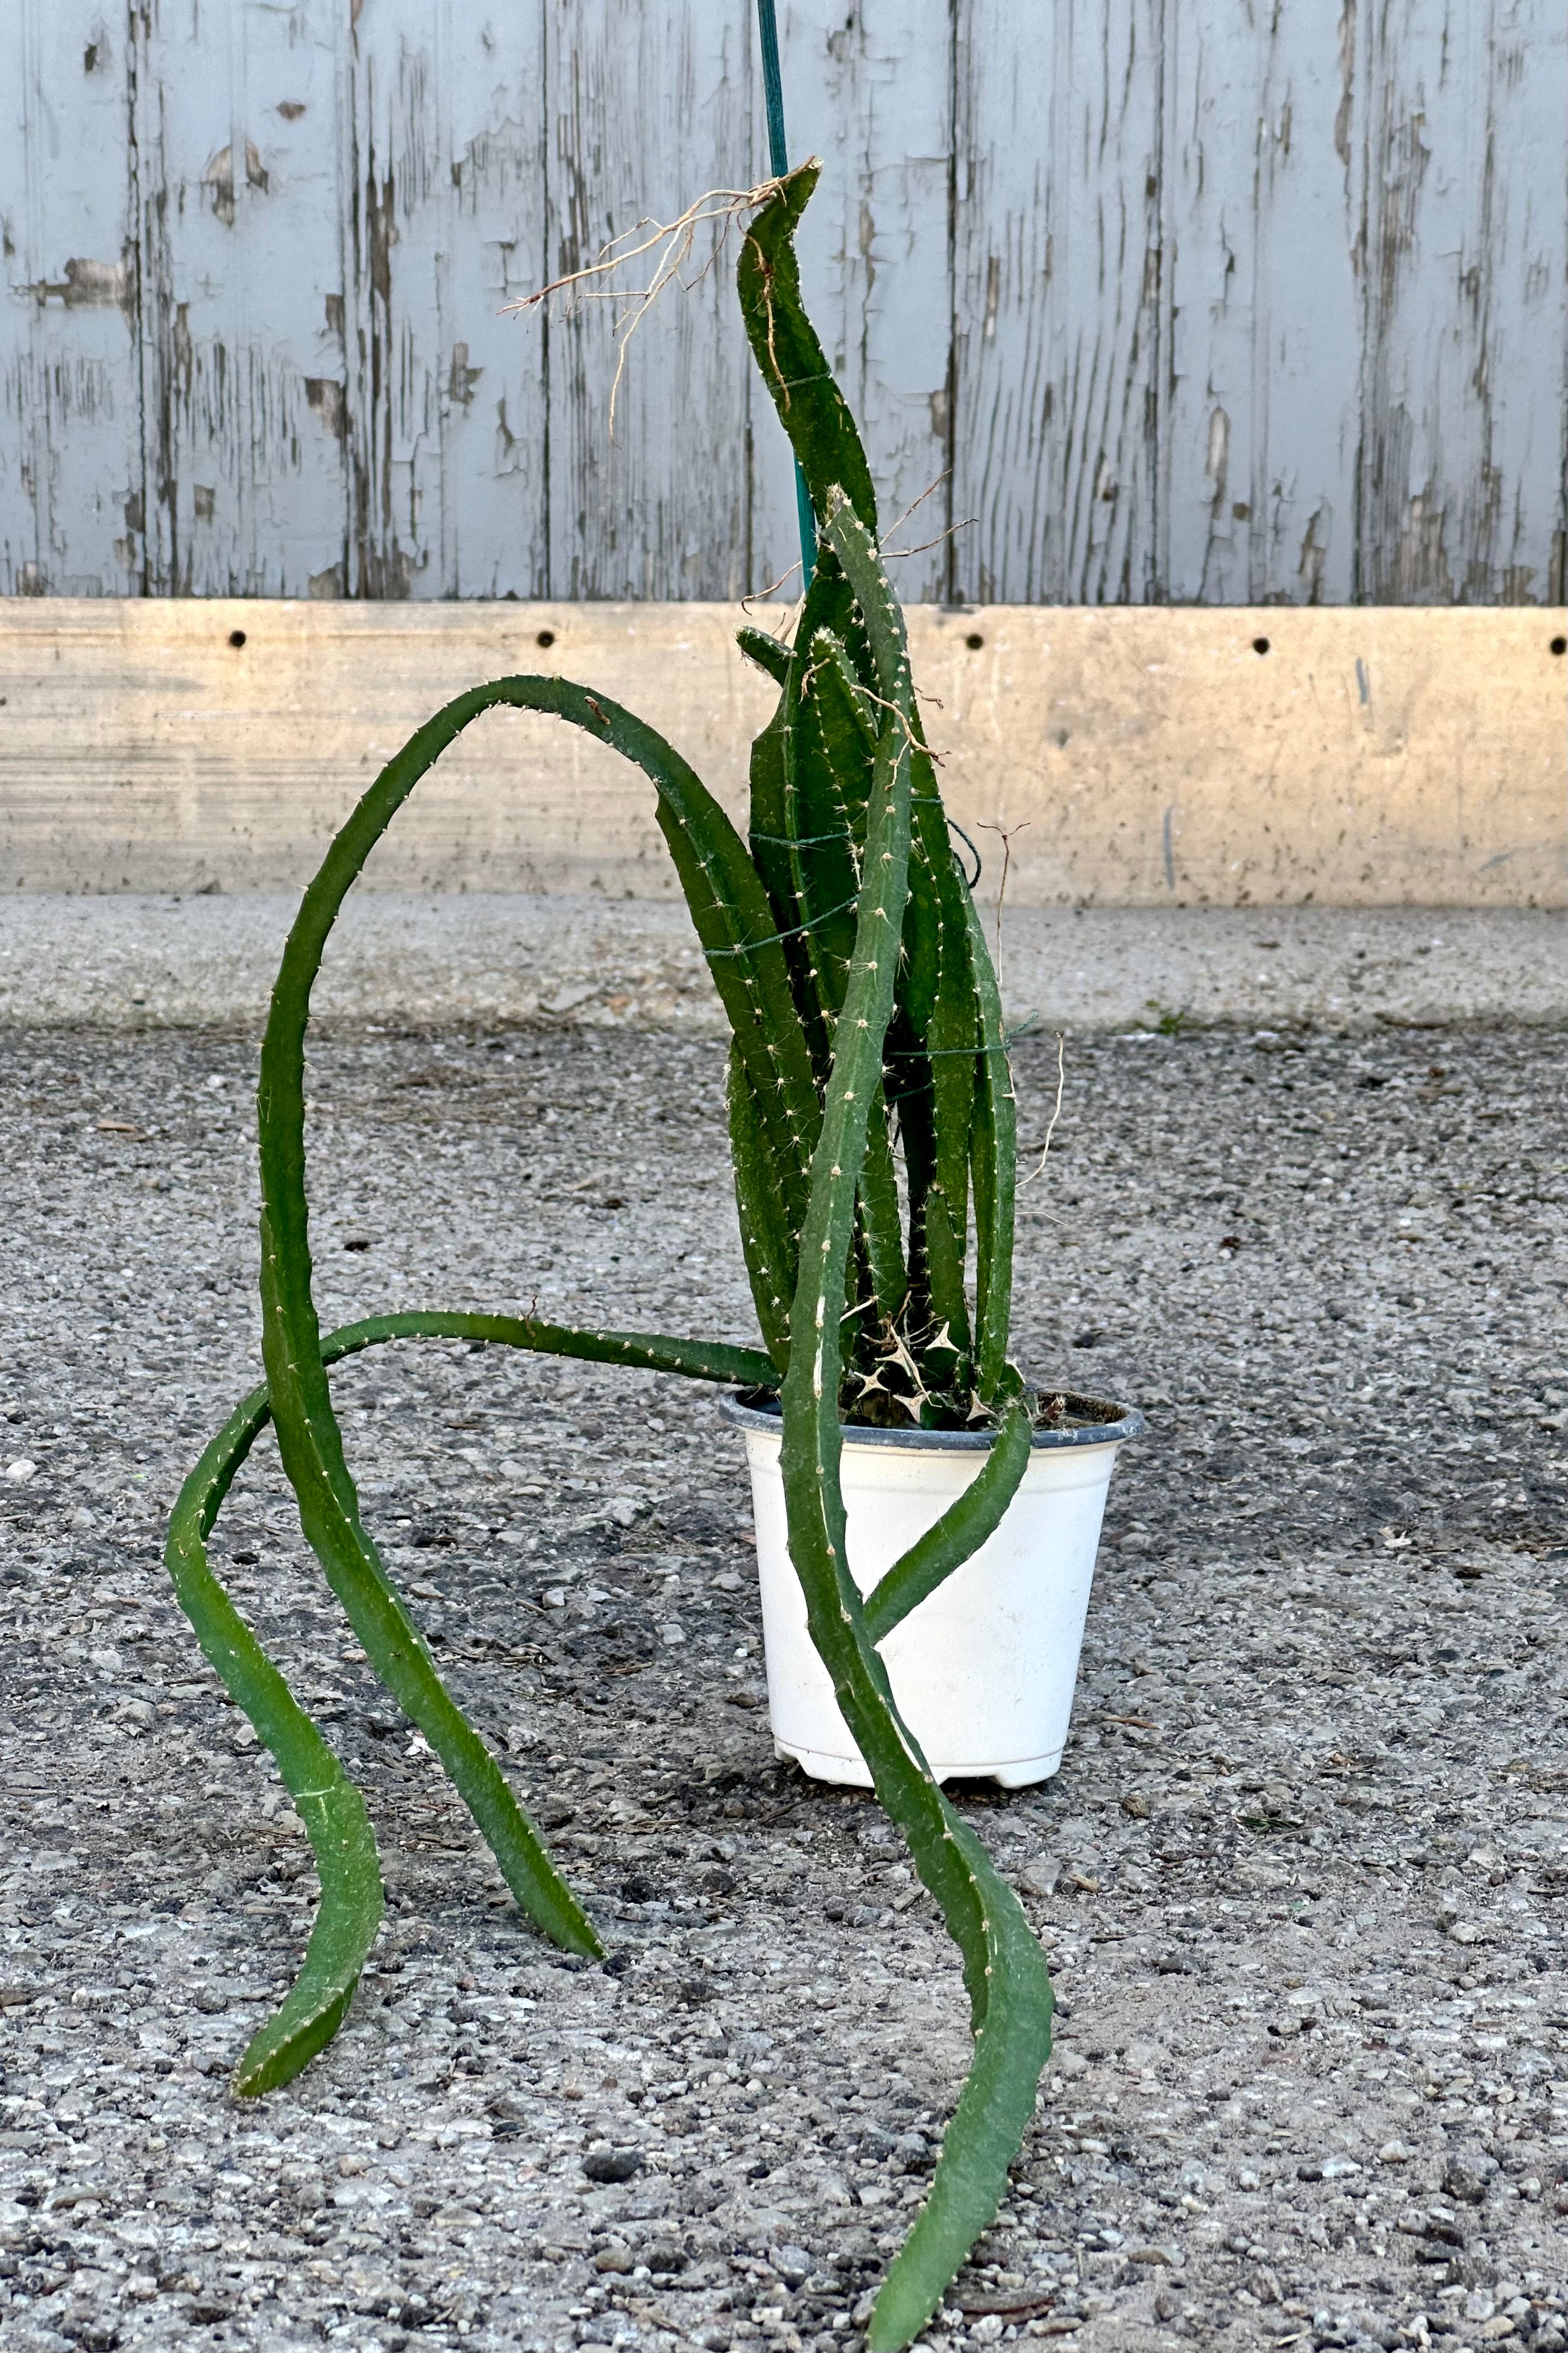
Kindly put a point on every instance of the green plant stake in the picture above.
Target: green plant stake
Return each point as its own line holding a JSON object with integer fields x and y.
{"x": 778, "y": 163}
{"x": 866, "y": 1027}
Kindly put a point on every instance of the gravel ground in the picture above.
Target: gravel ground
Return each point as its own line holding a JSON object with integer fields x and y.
{"x": 489, "y": 956}
{"x": 1302, "y": 1874}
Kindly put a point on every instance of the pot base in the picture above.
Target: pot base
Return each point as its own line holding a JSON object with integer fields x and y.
{"x": 850, "y": 1772}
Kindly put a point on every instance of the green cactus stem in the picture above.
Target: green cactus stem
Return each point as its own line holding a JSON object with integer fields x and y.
{"x": 873, "y": 1143}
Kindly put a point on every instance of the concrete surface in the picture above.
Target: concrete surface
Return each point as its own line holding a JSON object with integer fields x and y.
{"x": 433, "y": 958}
{"x": 1136, "y": 755}
{"x": 1300, "y": 1877}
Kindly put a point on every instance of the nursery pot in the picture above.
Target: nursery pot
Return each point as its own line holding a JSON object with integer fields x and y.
{"x": 983, "y": 1668}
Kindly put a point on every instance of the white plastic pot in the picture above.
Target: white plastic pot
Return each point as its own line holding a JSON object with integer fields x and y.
{"x": 984, "y": 1669}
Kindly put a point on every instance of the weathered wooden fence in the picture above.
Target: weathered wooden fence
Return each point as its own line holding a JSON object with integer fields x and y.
{"x": 1234, "y": 301}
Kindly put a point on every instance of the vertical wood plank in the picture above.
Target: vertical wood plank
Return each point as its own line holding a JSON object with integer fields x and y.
{"x": 442, "y": 138}
{"x": 1460, "y": 480}
{"x": 867, "y": 87}
{"x": 1528, "y": 296}
{"x": 71, "y": 469}
{"x": 494, "y": 437}
{"x": 1006, "y": 436}
{"x": 241, "y": 280}
{"x": 1263, "y": 196}
{"x": 390, "y": 135}
{"x": 1207, "y": 300}
{"x": 1056, "y": 356}
{"x": 647, "y": 107}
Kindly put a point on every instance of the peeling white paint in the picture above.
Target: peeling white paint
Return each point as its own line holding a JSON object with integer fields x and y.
{"x": 1169, "y": 300}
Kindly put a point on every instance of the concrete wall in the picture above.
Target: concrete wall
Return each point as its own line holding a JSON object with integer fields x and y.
{"x": 1187, "y": 300}
{"x": 1133, "y": 757}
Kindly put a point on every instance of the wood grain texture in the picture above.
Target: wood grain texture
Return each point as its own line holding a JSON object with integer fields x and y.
{"x": 241, "y": 277}
{"x": 1209, "y": 300}
{"x": 1057, "y": 360}
{"x": 1464, "y": 266}
{"x": 442, "y": 130}
{"x": 661, "y": 509}
{"x": 71, "y": 469}
{"x": 1137, "y": 757}
{"x": 1261, "y": 412}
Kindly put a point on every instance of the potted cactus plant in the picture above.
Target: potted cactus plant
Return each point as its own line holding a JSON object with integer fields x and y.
{"x": 871, "y": 1125}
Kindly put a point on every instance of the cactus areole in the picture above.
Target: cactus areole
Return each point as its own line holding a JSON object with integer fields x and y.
{"x": 865, "y": 1028}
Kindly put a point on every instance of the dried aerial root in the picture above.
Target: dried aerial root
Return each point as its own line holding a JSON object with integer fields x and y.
{"x": 672, "y": 244}
{"x": 1039, "y": 1169}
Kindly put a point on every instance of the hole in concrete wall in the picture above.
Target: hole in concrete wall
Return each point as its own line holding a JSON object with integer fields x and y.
{"x": 975, "y": 641}
{"x": 546, "y": 637}
{"x": 237, "y": 637}
{"x": 1560, "y": 644}
{"x": 1261, "y": 644}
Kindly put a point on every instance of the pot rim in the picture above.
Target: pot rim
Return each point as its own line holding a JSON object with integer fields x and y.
{"x": 748, "y": 1410}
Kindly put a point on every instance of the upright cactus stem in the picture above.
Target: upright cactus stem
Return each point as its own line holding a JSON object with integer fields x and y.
{"x": 866, "y": 1027}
